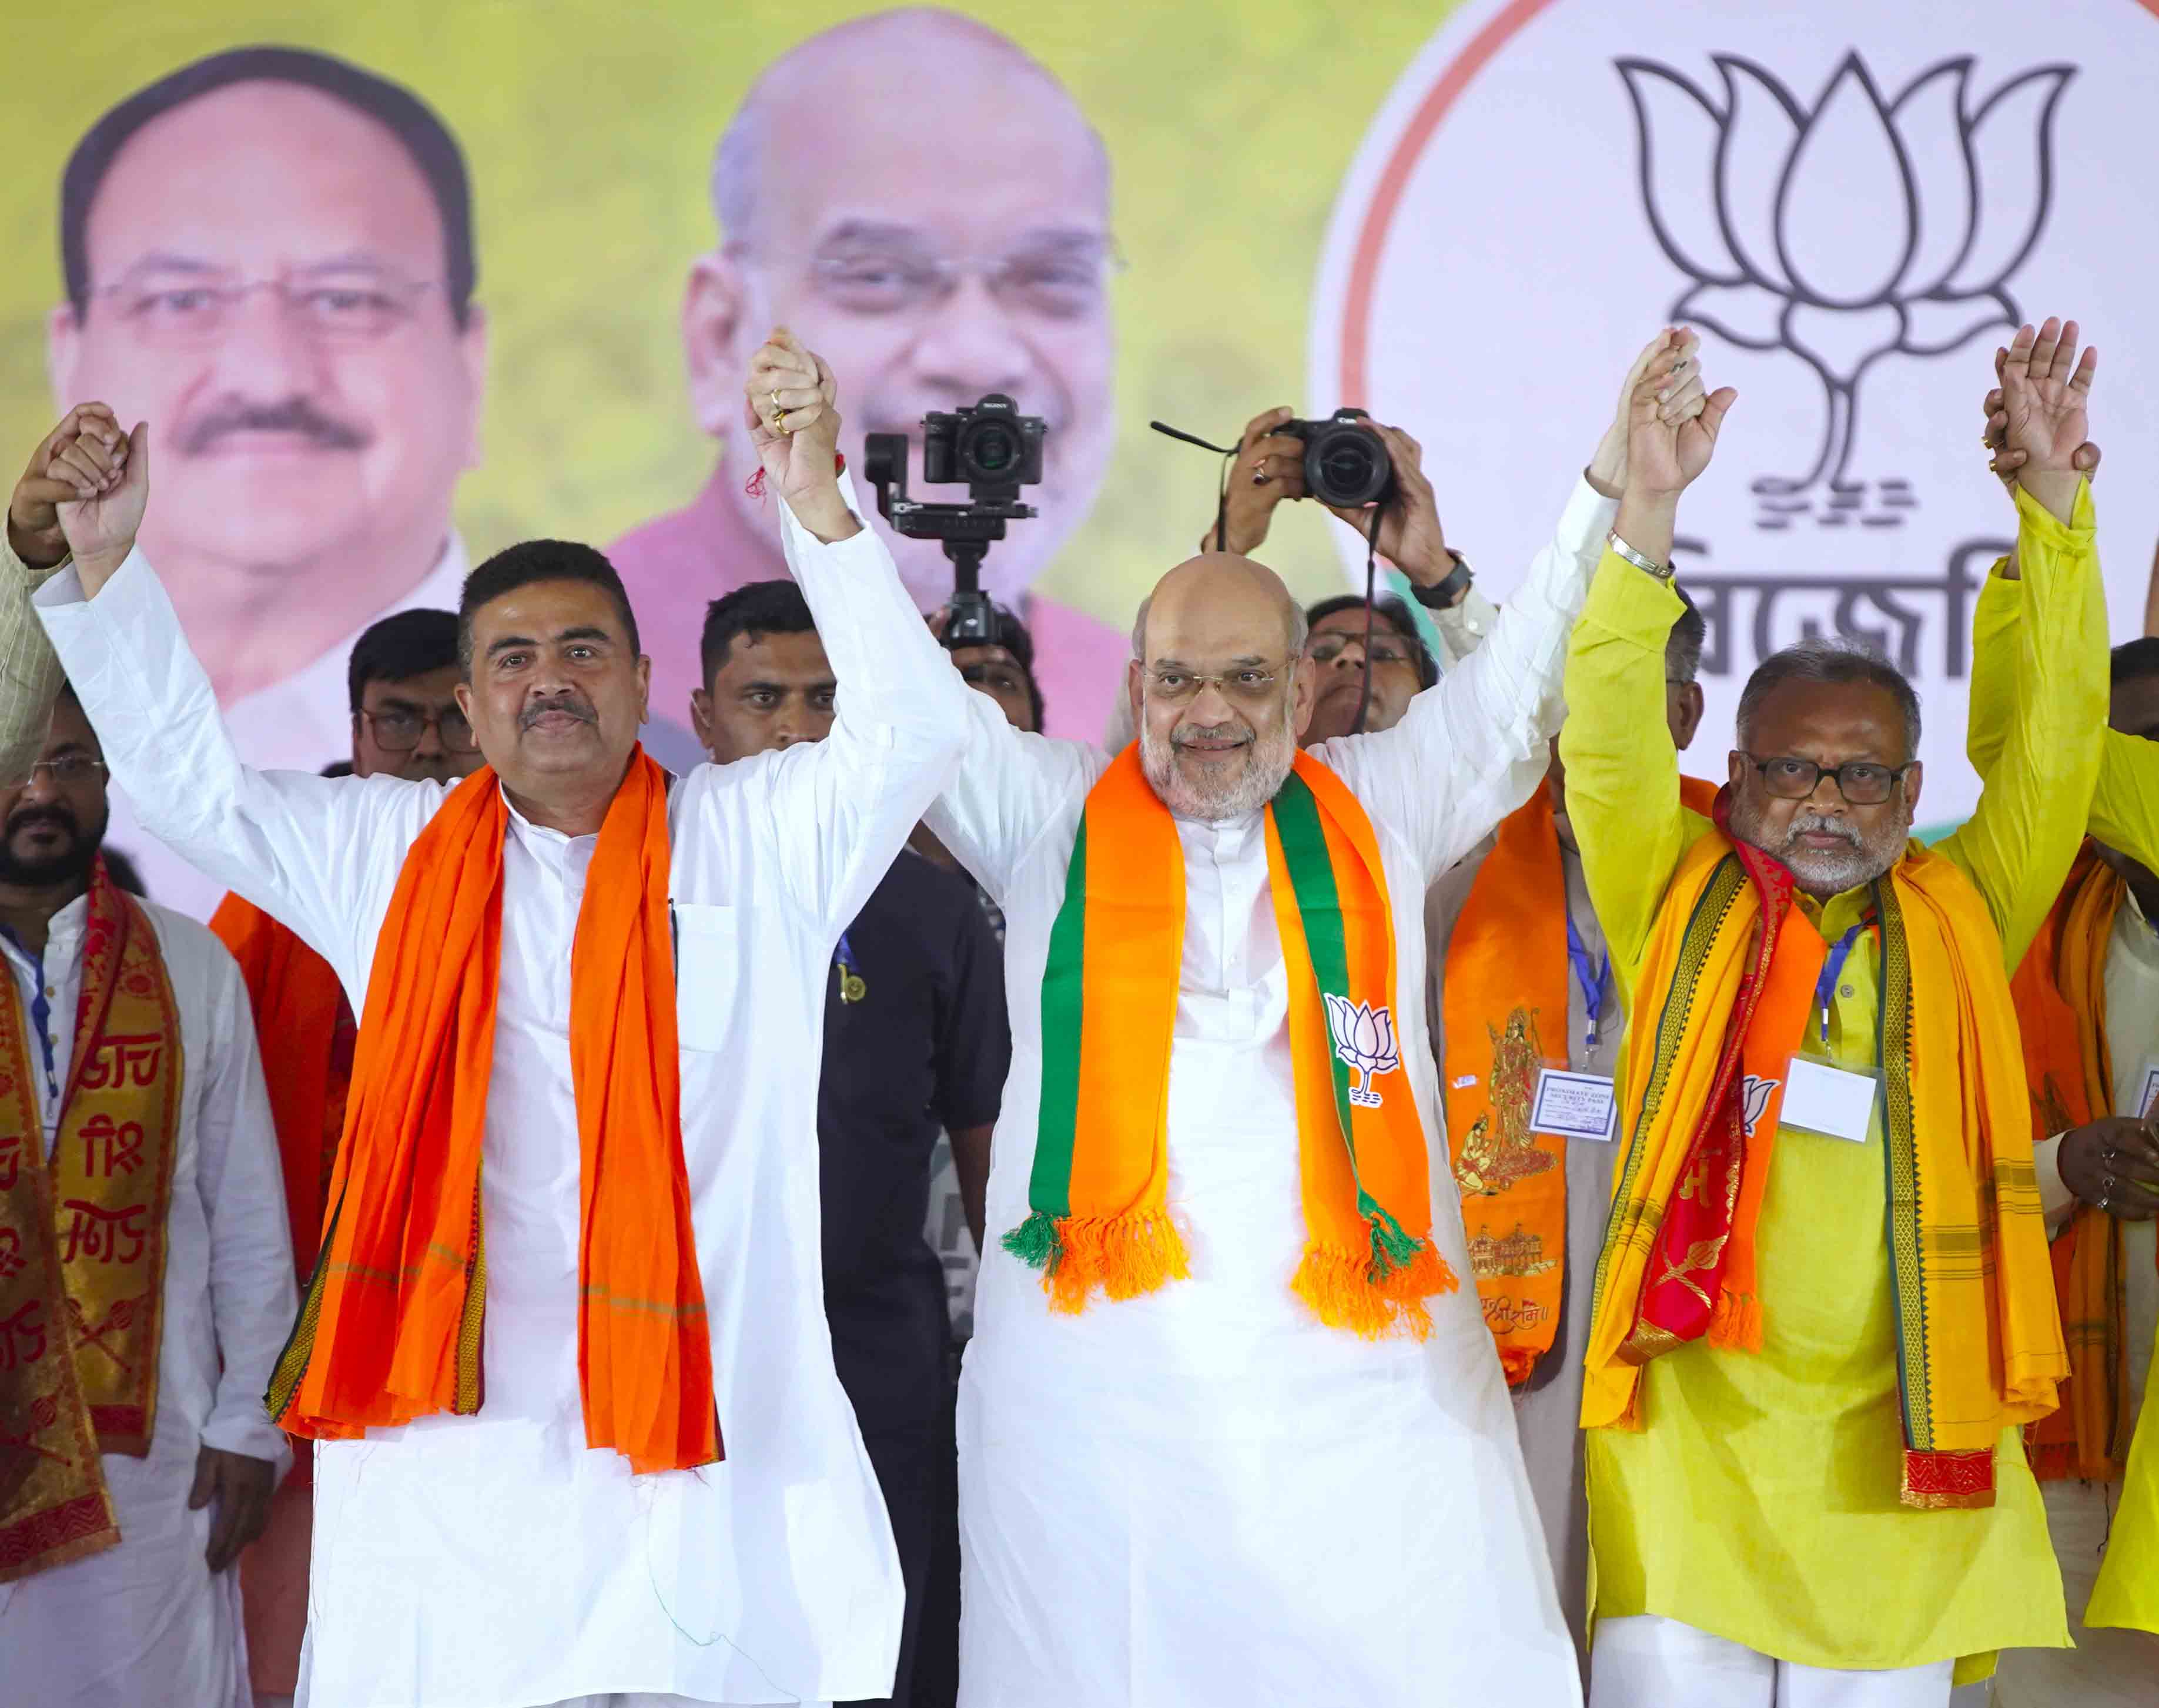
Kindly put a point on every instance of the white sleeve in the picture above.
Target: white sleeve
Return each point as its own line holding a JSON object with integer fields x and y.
{"x": 319, "y": 854}
{"x": 1473, "y": 748}
{"x": 2056, "y": 1201}
{"x": 252, "y": 1297}
{"x": 845, "y": 806}
{"x": 1011, "y": 786}
{"x": 1462, "y": 626}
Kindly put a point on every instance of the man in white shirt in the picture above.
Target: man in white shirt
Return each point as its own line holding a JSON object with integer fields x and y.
{"x": 1246, "y": 1474}
{"x": 605, "y": 1453}
{"x": 145, "y": 1276}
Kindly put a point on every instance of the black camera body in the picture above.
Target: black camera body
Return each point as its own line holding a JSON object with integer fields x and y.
{"x": 994, "y": 451}
{"x": 1346, "y": 465}
{"x": 990, "y": 446}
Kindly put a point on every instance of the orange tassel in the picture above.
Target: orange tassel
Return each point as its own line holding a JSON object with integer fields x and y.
{"x": 1736, "y": 1324}
{"x": 1337, "y": 1286}
{"x": 1123, "y": 1256}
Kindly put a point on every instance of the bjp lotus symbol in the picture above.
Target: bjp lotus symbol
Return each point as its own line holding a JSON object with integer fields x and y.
{"x": 1364, "y": 1038}
{"x": 1849, "y": 229}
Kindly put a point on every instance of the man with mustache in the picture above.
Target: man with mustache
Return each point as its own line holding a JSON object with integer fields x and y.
{"x": 1823, "y": 1312}
{"x": 563, "y": 1358}
{"x": 268, "y": 255}
{"x": 1230, "y": 1429}
{"x": 402, "y": 679}
{"x": 931, "y": 274}
{"x": 2087, "y": 1004}
{"x": 145, "y": 1280}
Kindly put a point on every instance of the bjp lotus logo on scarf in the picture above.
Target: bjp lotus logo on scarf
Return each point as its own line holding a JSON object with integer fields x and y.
{"x": 1754, "y": 1094}
{"x": 1364, "y": 1038}
{"x": 1847, "y": 230}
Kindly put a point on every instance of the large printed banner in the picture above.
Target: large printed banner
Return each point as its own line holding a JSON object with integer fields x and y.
{"x": 1855, "y": 204}
{"x": 427, "y": 279}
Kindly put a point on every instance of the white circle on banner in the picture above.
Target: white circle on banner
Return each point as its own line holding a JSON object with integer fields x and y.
{"x": 1854, "y": 203}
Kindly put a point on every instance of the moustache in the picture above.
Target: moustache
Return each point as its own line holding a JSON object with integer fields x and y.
{"x": 295, "y": 414}
{"x": 575, "y": 704}
{"x": 31, "y": 816}
{"x": 1814, "y": 824}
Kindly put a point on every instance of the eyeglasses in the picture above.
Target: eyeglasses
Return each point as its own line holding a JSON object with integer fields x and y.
{"x": 1252, "y": 686}
{"x": 184, "y": 308}
{"x": 69, "y": 769}
{"x": 1063, "y": 281}
{"x": 1329, "y": 648}
{"x": 1860, "y": 782}
{"x": 400, "y": 732}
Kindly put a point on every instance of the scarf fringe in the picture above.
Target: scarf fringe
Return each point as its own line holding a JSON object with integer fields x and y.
{"x": 1736, "y": 1324}
{"x": 1124, "y": 1256}
{"x": 1379, "y": 1293}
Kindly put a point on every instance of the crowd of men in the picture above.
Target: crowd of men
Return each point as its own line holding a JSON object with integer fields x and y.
{"x": 1467, "y": 1210}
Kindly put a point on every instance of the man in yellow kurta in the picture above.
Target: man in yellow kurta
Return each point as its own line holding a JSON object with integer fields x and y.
{"x": 1805, "y": 1380}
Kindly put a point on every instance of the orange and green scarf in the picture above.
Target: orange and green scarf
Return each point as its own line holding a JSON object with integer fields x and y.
{"x": 1504, "y": 1008}
{"x": 1099, "y": 1217}
{"x": 1721, "y": 1008}
{"x": 390, "y": 1328}
{"x": 2061, "y": 1012}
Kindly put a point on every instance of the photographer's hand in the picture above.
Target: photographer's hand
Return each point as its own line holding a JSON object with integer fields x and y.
{"x": 1410, "y": 537}
{"x": 789, "y": 407}
{"x": 1269, "y": 467}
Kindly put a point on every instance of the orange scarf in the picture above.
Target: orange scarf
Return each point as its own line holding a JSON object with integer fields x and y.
{"x": 305, "y": 1029}
{"x": 2061, "y": 1011}
{"x": 1505, "y": 990}
{"x": 391, "y": 1327}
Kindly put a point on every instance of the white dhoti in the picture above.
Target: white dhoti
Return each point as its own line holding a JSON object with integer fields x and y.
{"x": 1648, "y": 1662}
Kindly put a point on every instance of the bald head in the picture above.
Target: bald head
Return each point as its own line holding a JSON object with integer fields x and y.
{"x": 873, "y": 69}
{"x": 1219, "y": 605}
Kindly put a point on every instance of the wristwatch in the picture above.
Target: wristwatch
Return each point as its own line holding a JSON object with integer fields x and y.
{"x": 1648, "y": 565}
{"x": 1450, "y": 591}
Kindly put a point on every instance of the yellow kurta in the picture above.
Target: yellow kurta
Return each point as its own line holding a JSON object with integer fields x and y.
{"x": 2124, "y": 814}
{"x": 1760, "y": 1500}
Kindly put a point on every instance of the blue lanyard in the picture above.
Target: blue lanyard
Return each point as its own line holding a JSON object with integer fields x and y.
{"x": 1592, "y": 978}
{"x": 41, "y": 1014}
{"x": 1833, "y": 970}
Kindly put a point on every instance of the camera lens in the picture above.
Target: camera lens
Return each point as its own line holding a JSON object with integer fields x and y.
{"x": 1347, "y": 465}
{"x": 991, "y": 448}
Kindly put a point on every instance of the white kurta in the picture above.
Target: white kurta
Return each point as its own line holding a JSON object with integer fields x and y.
{"x": 1203, "y": 1496}
{"x": 495, "y": 1561}
{"x": 144, "y": 1624}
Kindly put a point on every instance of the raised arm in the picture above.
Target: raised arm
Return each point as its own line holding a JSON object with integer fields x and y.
{"x": 31, "y": 548}
{"x": 1471, "y": 749}
{"x": 1622, "y": 795}
{"x": 2036, "y": 795}
{"x": 319, "y": 854}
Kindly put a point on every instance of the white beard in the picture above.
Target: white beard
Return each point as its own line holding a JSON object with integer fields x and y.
{"x": 1267, "y": 762}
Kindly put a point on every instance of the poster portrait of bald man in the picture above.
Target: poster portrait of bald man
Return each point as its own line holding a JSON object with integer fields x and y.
{"x": 268, "y": 256}
{"x": 931, "y": 262}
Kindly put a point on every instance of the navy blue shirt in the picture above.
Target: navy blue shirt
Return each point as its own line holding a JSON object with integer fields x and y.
{"x": 925, "y": 1047}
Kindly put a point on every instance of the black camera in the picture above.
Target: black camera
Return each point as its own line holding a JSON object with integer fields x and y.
{"x": 992, "y": 449}
{"x": 1346, "y": 463}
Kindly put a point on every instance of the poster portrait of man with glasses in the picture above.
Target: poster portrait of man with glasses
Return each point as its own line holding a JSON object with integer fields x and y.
{"x": 268, "y": 256}
{"x": 930, "y": 263}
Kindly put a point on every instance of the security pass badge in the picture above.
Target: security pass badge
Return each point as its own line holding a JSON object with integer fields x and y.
{"x": 1364, "y": 1040}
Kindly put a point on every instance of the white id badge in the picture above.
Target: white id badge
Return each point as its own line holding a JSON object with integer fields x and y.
{"x": 1821, "y": 1097}
{"x": 2151, "y": 1091}
{"x": 1574, "y": 1106}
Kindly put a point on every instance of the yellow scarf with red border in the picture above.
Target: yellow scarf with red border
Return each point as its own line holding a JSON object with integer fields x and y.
{"x": 1721, "y": 1008}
